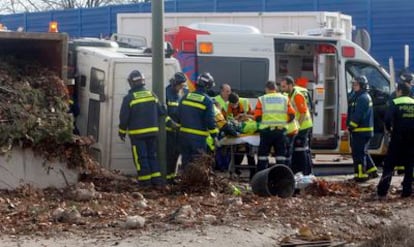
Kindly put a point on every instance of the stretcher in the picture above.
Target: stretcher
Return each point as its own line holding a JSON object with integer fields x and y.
{"x": 232, "y": 142}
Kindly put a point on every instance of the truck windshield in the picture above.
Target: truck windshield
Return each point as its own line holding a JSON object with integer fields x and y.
{"x": 376, "y": 80}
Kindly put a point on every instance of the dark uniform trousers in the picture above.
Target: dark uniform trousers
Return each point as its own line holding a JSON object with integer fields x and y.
{"x": 144, "y": 152}
{"x": 362, "y": 159}
{"x": 400, "y": 151}
{"x": 301, "y": 160}
{"x": 173, "y": 152}
{"x": 271, "y": 138}
{"x": 191, "y": 148}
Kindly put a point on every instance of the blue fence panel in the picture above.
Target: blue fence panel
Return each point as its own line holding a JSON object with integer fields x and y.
{"x": 198, "y": 6}
{"x": 38, "y": 22}
{"x": 96, "y": 22}
{"x": 289, "y": 5}
{"x": 240, "y": 6}
{"x": 392, "y": 29}
{"x": 14, "y": 21}
{"x": 68, "y": 21}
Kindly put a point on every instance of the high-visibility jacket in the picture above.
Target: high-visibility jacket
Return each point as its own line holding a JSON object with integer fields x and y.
{"x": 223, "y": 104}
{"x": 139, "y": 114}
{"x": 196, "y": 115}
{"x": 243, "y": 107}
{"x": 307, "y": 122}
{"x": 219, "y": 117}
{"x": 305, "y": 93}
{"x": 360, "y": 114}
{"x": 401, "y": 114}
{"x": 274, "y": 111}
{"x": 292, "y": 127}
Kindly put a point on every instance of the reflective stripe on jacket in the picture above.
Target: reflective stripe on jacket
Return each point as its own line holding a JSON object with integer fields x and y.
{"x": 139, "y": 114}
{"x": 196, "y": 115}
{"x": 360, "y": 113}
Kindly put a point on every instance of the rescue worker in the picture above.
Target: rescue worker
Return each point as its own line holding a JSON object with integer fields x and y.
{"x": 301, "y": 84}
{"x": 174, "y": 92}
{"x": 196, "y": 117}
{"x": 407, "y": 78}
{"x": 360, "y": 124}
{"x": 222, "y": 155}
{"x": 241, "y": 110}
{"x": 273, "y": 112}
{"x": 400, "y": 122}
{"x": 223, "y": 97}
{"x": 139, "y": 118}
{"x": 301, "y": 160}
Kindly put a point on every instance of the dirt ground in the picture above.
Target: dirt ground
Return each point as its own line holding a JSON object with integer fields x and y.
{"x": 329, "y": 210}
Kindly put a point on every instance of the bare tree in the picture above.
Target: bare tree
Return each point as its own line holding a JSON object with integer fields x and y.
{"x": 15, "y": 6}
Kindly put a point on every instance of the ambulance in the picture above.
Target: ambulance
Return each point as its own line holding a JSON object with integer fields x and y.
{"x": 246, "y": 59}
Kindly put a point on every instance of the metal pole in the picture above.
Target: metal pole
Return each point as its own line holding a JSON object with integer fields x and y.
{"x": 157, "y": 7}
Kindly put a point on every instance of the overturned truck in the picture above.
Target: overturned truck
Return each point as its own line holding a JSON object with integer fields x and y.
{"x": 35, "y": 125}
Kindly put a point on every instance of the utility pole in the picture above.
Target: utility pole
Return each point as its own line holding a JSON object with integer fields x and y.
{"x": 157, "y": 8}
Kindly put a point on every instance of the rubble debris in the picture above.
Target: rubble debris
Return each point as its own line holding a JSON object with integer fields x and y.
{"x": 321, "y": 187}
{"x": 397, "y": 235}
{"x": 83, "y": 192}
{"x": 134, "y": 222}
{"x": 331, "y": 217}
{"x": 197, "y": 175}
{"x": 184, "y": 215}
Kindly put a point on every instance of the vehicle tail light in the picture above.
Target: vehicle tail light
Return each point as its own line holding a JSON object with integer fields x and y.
{"x": 343, "y": 121}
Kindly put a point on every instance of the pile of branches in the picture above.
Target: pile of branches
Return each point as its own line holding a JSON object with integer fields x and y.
{"x": 199, "y": 176}
{"x": 34, "y": 105}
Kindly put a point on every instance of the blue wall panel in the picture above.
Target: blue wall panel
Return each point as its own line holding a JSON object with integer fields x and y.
{"x": 68, "y": 21}
{"x": 289, "y": 5}
{"x": 38, "y": 22}
{"x": 196, "y": 6}
{"x": 96, "y": 22}
{"x": 389, "y": 22}
{"x": 239, "y": 6}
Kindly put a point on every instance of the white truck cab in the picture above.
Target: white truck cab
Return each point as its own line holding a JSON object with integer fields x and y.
{"x": 101, "y": 78}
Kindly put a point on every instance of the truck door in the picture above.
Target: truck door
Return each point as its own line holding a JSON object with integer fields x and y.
{"x": 325, "y": 94}
{"x": 92, "y": 76}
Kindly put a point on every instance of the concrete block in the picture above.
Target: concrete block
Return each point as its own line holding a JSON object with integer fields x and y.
{"x": 21, "y": 166}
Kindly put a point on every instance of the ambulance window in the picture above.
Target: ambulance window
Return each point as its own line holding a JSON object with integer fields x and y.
{"x": 376, "y": 80}
{"x": 253, "y": 76}
{"x": 97, "y": 80}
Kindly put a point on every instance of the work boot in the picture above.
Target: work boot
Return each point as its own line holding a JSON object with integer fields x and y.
{"x": 360, "y": 180}
{"x": 373, "y": 175}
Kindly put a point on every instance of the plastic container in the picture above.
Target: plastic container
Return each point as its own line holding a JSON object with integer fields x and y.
{"x": 277, "y": 180}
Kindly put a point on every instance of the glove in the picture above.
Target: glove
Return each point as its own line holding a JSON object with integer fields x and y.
{"x": 175, "y": 125}
{"x": 217, "y": 142}
{"x": 122, "y": 136}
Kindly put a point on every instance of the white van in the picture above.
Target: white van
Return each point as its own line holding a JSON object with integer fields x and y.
{"x": 102, "y": 83}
